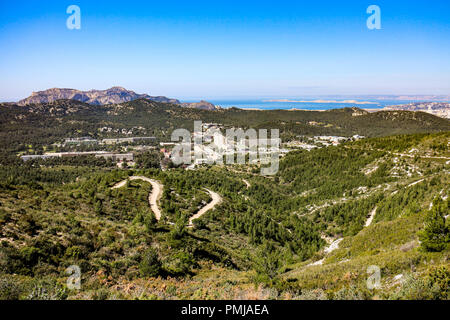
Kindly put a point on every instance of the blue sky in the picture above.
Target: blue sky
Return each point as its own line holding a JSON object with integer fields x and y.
{"x": 226, "y": 49}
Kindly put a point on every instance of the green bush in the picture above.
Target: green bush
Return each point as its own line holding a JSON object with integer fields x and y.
{"x": 150, "y": 265}
{"x": 9, "y": 289}
{"x": 268, "y": 264}
{"x": 348, "y": 293}
{"x": 415, "y": 288}
{"x": 47, "y": 290}
{"x": 181, "y": 263}
{"x": 316, "y": 294}
{"x": 436, "y": 235}
{"x": 441, "y": 277}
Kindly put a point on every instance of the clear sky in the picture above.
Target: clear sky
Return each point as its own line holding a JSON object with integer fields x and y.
{"x": 226, "y": 49}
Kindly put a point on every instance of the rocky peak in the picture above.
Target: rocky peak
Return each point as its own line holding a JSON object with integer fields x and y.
{"x": 95, "y": 97}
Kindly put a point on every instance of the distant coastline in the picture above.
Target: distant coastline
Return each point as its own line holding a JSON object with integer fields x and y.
{"x": 317, "y": 105}
{"x": 321, "y": 101}
{"x": 370, "y": 105}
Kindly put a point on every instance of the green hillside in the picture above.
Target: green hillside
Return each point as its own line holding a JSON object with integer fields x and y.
{"x": 39, "y": 125}
{"x": 269, "y": 238}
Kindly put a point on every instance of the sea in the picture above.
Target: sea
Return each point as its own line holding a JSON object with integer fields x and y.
{"x": 304, "y": 104}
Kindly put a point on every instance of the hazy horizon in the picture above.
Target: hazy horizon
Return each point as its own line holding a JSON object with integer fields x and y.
{"x": 249, "y": 98}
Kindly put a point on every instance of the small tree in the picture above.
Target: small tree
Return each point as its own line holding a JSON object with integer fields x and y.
{"x": 436, "y": 235}
{"x": 9, "y": 289}
{"x": 268, "y": 263}
{"x": 150, "y": 265}
{"x": 149, "y": 221}
{"x": 182, "y": 263}
{"x": 440, "y": 276}
{"x": 179, "y": 229}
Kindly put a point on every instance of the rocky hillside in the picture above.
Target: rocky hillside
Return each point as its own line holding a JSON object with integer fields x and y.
{"x": 115, "y": 95}
{"x": 94, "y": 97}
{"x": 204, "y": 105}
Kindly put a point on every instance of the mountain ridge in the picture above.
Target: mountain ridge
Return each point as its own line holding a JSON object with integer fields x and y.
{"x": 114, "y": 95}
{"x": 94, "y": 97}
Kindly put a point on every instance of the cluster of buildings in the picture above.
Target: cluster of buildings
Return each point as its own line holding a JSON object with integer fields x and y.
{"x": 320, "y": 141}
{"x": 330, "y": 140}
{"x": 300, "y": 145}
{"x": 335, "y": 140}
{"x": 82, "y": 140}
{"x": 439, "y": 109}
{"x": 208, "y": 145}
{"x": 120, "y": 158}
{"x": 122, "y": 131}
{"x": 89, "y": 140}
{"x": 117, "y": 157}
{"x": 128, "y": 140}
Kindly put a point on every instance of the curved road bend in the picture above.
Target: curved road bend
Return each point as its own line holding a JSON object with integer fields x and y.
{"x": 216, "y": 199}
{"x": 153, "y": 197}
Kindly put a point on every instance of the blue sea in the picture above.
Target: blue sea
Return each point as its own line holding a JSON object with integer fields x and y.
{"x": 265, "y": 104}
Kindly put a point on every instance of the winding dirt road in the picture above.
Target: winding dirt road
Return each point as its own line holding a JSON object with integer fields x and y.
{"x": 216, "y": 199}
{"x": 153, "y": 197}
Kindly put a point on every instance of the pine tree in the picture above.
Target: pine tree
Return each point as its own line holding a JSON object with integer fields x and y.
{"x": 150, "y": 264}
{"x": 436, "y": 235}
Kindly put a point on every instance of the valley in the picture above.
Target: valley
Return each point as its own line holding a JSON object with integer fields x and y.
{"x": 225, "y": 159}
{"x": 148, "y": 229}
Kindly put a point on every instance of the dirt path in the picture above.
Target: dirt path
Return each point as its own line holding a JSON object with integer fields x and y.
{"x": 370, "y": 218}
{"x": 333, "y": 246}
{"x": 153, "y": 197}
{"x": 420, "y": 156}
{"x": 414, "y": 183}
{"x": 216, "y": 199}
{"x": 246, "y": 183}
{"x": 404, "y": 154}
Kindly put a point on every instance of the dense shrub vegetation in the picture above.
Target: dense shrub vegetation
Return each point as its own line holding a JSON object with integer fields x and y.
{"x": 267, "y": 230}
